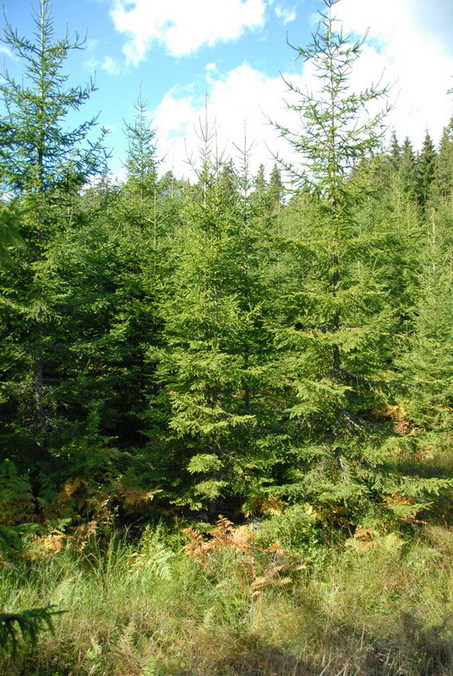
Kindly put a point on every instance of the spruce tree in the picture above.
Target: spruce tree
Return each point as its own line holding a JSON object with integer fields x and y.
{"x": 407, "y": 170}
{"x": 42, "y": 164}
{"x": 428, "y": 365}
{"x": 141, "y": 162}
{"x": 210, "y": 425}
{"x": 395, "y": 151}
{"x": 275, "y": 188}
{"x": 443, "y": 180}
{"x": 334, "y": 340}
{"x": 42, "y": 156}
{"x": 427, "y": 361}
{"x": 426, "y": 169}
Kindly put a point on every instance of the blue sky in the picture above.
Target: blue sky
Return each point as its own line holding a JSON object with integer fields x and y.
{"x": 230, "y": 53}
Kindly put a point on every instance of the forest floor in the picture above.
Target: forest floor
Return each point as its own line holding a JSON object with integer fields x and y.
{"x": 230, "y": 603}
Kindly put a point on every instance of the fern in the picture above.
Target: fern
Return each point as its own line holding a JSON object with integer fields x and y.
{"x": 154, "y": 555}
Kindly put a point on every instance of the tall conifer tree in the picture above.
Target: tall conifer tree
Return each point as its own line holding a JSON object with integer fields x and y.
{"x": 43, "y": 164}
{"x": 426, "y": 168}
{"x": 334, "y": 344}
{"x": 43, "y": 156}
{"x": 212, "y": 365}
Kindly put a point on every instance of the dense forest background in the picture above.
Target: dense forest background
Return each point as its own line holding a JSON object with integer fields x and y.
{"x": 276, "y": 344}
{"x": 229, "y": 344}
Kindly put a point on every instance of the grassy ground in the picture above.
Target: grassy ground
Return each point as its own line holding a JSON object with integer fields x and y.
{"x": 233, "y": 605}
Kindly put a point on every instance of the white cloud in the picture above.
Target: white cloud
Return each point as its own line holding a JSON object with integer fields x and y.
{"x": 182, "y": 26}
{"x": 91, "y": 45}
{"x": 8, "y": 52}
{"x": 410, "y": 44}
{"x": 403, "y": 48}
{"x": 285, "y": 14}
{"x": 239, "y": 105}
{"x": 108, "y": 64}
{"x": 111, "y": 66}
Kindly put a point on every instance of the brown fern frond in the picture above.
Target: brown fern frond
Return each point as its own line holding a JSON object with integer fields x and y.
{"x": 70, "y": 487}
{"x": 197, "y": 549}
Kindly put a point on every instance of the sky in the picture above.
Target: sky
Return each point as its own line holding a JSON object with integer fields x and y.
{"x": 223, "y": 60}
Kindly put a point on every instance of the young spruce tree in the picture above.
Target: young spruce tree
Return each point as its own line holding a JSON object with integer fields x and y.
{"x": 334, "y": 344}
{"x": 42, "y": 164}
{"x": 210, "y": 426}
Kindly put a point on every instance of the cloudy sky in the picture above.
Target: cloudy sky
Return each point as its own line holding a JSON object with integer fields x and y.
{"x": 228, "y": 56}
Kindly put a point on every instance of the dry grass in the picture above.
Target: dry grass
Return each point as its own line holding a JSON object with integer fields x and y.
{"x": 379, "y": 607}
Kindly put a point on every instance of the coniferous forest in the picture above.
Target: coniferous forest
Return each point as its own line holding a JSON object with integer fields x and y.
{"x": 226, "y": 403}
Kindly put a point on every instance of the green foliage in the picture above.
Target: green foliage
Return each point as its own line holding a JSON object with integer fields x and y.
{"x": 203, "y": 463}
{"x": 426, "y": 168}
{"x": 16, "y": 499}
{"x": 429, "y": 362}
{"x": 9, "y": 234}
{"x": 212, "y": 365}
{"x": 224, "y": 346}
{"x": 333, "y": 338}
{"x": 443, "y": 185}
{"x": 10, "y": 540}
{"x": 46, "y": 164}
{"x": 335, "y": 132}
{"x": 407, "y": 169}
{"x": 227, "y": 345}
{"x": 25, "y": 626}
{"x": 141, "y": 163}
{"x": 296, "y": 528}
{"x": 42, "y": 156}
{"x": 155, "y": 556}
{"x": 387, "y": 598}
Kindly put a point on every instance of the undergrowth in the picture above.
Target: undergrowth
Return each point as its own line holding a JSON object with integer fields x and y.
{"x": 236, "y": 602}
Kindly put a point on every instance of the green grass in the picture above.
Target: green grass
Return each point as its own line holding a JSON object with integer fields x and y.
{"x": 379, "y": 607}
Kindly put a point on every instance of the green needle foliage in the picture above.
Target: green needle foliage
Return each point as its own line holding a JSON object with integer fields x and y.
{"x": 426, "y": 167}
{"x": 213, "y": 365}
{"x": 428, "y": 359}
{"x": 225, "y": 345}
{"x": 42, "y": 156}
{"x": 25, "y": 626}
{"x": 43, "y": 165}
{"x": 334, "y": 346}
{"x": 141, "y": 163}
